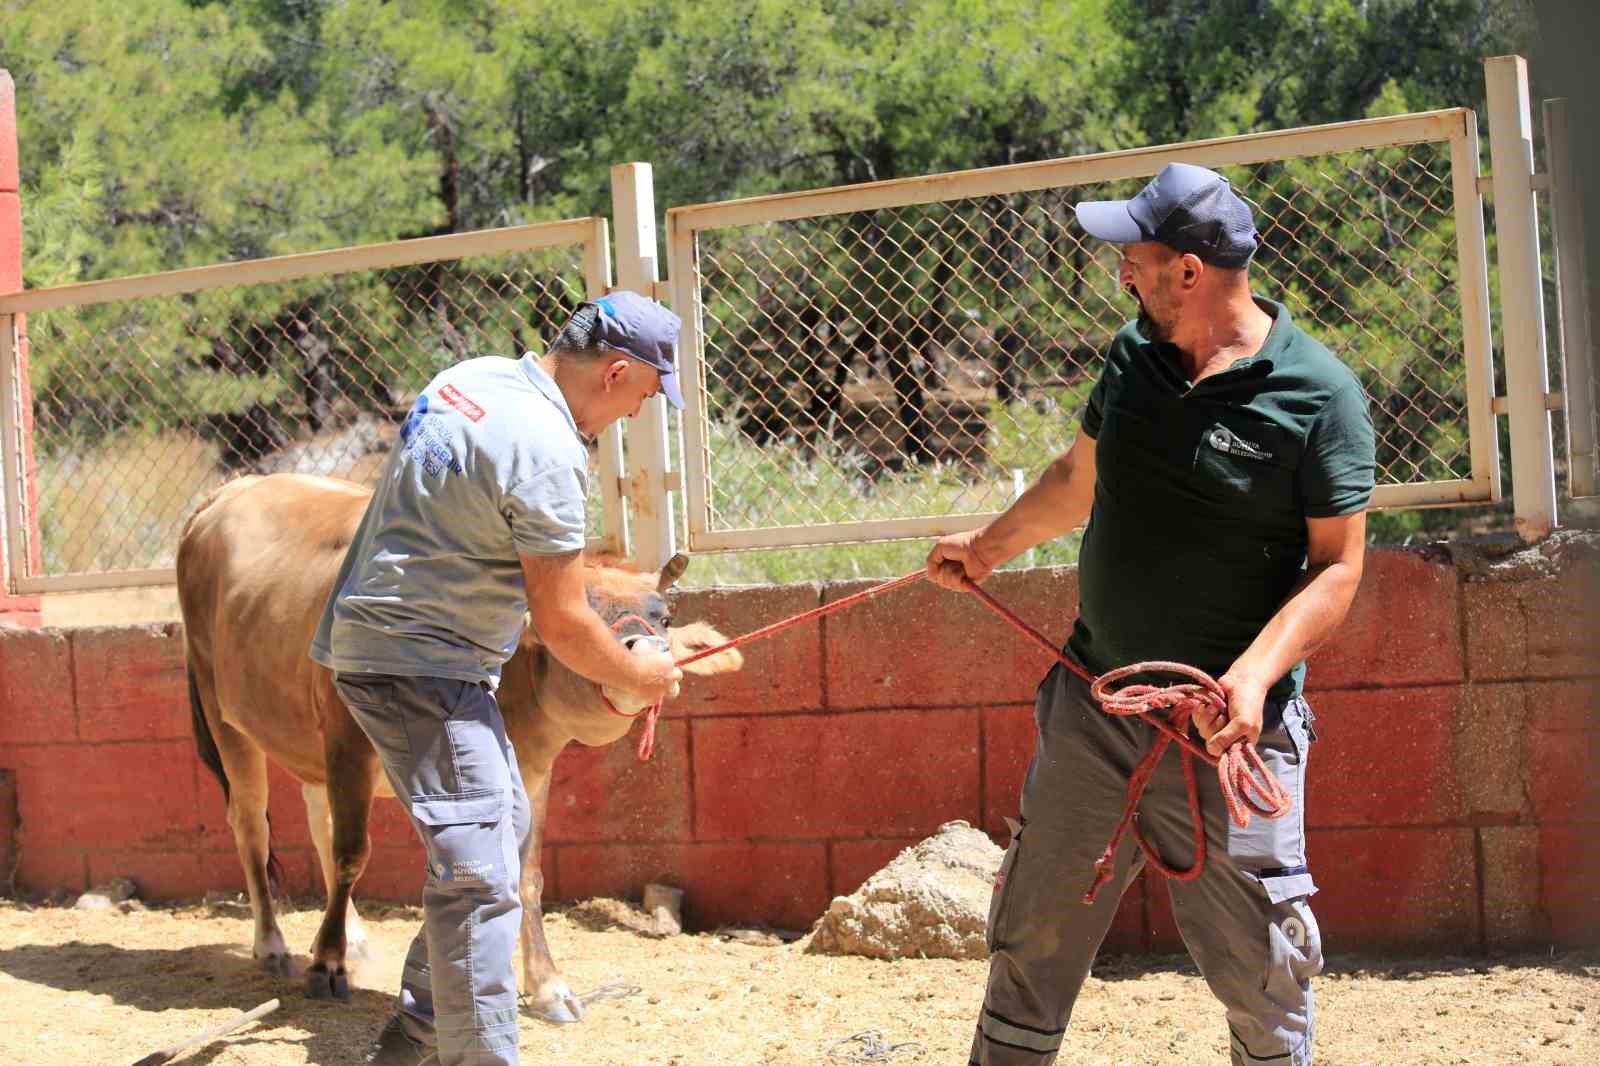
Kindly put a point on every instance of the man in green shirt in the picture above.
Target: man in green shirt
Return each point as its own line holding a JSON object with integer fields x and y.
{"x": 1224, "y": 468}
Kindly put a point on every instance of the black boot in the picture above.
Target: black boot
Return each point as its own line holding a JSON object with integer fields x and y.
{"x": 394, "y": 1048}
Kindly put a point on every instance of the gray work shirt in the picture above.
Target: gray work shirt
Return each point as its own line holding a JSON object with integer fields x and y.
{"x": 489, "y": 466}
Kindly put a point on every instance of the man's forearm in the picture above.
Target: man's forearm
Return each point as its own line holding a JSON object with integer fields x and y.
{"x": 1303, "y": 624}
{"x": 1057, "y": 503}
{"x": 586, "y": 645}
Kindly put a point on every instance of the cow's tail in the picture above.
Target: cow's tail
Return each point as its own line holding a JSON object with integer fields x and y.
{"x": 205, "y": 745}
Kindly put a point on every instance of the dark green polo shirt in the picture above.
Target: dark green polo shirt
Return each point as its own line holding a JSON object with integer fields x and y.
{"x": 1198, "y": 530}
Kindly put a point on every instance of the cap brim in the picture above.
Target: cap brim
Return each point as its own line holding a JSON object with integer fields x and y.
{"x": 1109, "y": 220}
{"x": 669, "y": 388}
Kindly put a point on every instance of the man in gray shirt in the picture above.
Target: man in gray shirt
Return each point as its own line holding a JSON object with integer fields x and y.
{"x": 478, "y": 517}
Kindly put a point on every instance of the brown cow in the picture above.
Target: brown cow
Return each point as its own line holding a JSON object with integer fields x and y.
{"x": 256, "y": 563}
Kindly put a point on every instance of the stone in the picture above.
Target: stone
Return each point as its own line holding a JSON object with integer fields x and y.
{"x": 664, "y": 905}
{"x": 931, "y": 901}
{"x": 1506, "y": 557}
{"x": 108, "y": 895}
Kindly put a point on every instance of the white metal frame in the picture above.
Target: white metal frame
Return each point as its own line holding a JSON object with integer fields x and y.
{"x": 1572, "y": 287}
{"x": 652, "y": 536}
{"x": 1457, "y": 126}
{"x": 1516, "y": 221}
{"x": 591, "y": 234}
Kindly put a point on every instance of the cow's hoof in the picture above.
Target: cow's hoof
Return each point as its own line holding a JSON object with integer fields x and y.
{"x": 323, "y": 983}
{"x": 275, "y": 963}
{"x": 558, "y": 1006}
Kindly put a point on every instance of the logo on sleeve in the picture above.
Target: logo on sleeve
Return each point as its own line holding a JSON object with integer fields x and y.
{"x": 455, "y": 398}
{"x": 1228, "y": 442}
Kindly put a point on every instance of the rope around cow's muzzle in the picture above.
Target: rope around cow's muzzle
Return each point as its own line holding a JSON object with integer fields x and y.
{"x": 1247, "y": 785}
{"x": 651, "y": 711}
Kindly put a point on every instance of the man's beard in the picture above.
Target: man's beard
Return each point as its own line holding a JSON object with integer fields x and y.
{"x": 1149, "y": 328}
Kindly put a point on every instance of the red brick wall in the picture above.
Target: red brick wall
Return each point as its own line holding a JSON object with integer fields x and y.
{"x": 1452, "y": 805}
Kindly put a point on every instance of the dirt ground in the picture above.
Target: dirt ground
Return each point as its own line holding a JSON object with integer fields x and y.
{"x": 82, "y": 988}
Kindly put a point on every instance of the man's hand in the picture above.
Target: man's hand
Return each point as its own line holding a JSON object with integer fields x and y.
{"x": 664, "y": 677}
{"x": 955, "y": 558}
{"x": 1247, "y": 700}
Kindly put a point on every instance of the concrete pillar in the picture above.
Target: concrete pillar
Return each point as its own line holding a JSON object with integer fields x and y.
{"x": 15, "y": 610}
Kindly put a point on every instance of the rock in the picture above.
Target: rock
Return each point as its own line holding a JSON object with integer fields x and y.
{"x": 329, "y": 456}
{"x": 107, "y": 895}
{"x": 1505, "y": 557}
{"x": 931, "y": 901}
{"x": 117, "y": 889}
{"x": 664, "y": 904}
{"x": 227, "y": 904}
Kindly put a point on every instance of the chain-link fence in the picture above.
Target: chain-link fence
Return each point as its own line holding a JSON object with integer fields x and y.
{"x": 897, "y": 366}
{"x": 142, "y": 406}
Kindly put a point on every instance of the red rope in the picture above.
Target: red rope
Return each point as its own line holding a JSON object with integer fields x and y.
{"x": 1247, "y": 786}
{"x": 647, "y": 739}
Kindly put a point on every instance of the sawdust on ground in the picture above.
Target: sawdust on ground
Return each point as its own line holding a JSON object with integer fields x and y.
{"x": 82, "y": 988}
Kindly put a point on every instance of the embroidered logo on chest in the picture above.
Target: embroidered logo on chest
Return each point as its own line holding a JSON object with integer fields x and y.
{"x": 1228, "y": 442}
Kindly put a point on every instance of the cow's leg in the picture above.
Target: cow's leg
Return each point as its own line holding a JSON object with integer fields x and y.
{"x": 320, "y": 818}
{"x": 246, "y": 767}
{"x": 549, "y": 995}
{"x": 352, "y": 773}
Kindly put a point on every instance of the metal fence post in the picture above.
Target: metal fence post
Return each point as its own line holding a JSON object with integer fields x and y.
{"x": 1572, "y": 287}
{"x": 1533, "y": 484}
{"x": 14, "y": 514}
{"x": 612, "y": 465}
{"x": 19, "y": 517}
{"x": 633, "y": 203}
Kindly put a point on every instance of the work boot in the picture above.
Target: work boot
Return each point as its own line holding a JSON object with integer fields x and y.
{"x": 394, "y": 1048}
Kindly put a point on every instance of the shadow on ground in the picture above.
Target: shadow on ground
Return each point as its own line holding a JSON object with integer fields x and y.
{"x": 205, "y": 977}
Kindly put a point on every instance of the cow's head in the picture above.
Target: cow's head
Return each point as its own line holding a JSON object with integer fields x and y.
{"x": 636, "y": 604}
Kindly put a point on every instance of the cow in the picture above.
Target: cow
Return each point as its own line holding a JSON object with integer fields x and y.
{"x": 256, "y": 563}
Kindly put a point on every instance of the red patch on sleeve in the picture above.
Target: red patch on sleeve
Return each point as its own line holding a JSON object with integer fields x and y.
{"x": 455, "y": 398}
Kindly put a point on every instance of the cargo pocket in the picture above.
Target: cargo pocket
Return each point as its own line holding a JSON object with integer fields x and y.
{"x": 1284, "y": 883}
{"x": 1272, "y": 851}
{"x": 463, "y": 836}
{"x": 995, "y": 928}
{"x": 1299, "y": 723}
{"x": 1294, "y": 954}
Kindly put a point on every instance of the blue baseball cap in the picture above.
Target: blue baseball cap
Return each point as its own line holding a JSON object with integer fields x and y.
{"x": 639, "y": 327}
{"x": 1188, "y": 208}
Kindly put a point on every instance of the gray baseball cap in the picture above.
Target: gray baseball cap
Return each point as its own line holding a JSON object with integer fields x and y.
{"x": 1185, "y": 207}
{"x": 638, "y": 326}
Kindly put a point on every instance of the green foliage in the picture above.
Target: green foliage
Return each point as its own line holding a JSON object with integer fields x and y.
{"x": 1209, "y": 68}
{"x": 158, "y": 134}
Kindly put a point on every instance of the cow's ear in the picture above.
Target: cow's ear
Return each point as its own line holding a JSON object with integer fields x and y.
{"x": 530, "y": 636}
{"x": 672, "y": 571}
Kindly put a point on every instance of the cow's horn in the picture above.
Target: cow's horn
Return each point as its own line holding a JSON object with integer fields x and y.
{"x": 672, "y": 571}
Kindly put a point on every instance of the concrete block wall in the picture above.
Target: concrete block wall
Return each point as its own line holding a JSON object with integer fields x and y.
{"x": 1453, "y": 794}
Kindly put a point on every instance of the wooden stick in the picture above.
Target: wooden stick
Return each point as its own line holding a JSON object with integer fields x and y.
{"x": 169, "y": 1053}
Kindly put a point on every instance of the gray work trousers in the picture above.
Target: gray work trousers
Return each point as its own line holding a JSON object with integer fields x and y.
{"x": 444, "y": 749}
{"x": 1245, "y": 919}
